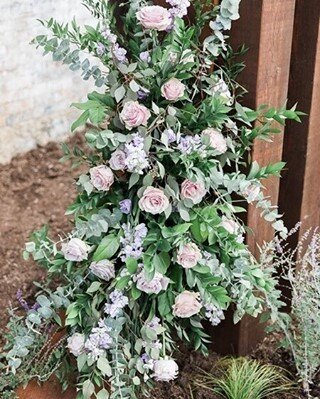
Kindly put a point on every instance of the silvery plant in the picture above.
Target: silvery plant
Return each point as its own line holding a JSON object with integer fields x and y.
{"x": 300, "y": 328}
{"x": 158, "y": 241}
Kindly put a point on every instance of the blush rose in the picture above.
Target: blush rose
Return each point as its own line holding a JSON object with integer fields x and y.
{"x": 134, "y": 114}
{"x": 187, "y": 304}
{"x": 153, "y": 201}
{"x": 194, "y": 191}
{"x": 173, "y": 89}
{"x": 216, "y": 139}
{"x": 189, "y": 255}
{"x": 101, "y": 177}
{"x": 154, "y": 17}
{"x": 154, "y": 286}
{"x": 75, "y": 250}
{"x": 118, "y": 160}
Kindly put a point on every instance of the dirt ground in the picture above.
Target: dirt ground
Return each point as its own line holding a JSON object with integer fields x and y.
{"x": 35, "y": 189}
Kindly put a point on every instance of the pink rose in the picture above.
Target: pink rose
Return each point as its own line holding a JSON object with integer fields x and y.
{"x": 154, "y": 286}
{"x": 217, "y": 140}
{"x": 153, "y": 201}
{"x": 154, "y": 17}
{"x": 230, "y": 225}
{"x": 118, "y": 160}
{"x": 75, "y": 250}
{"x": 189, "y": 255}
{"x": 187, "y": 304}
{"x": 173, "y": 89}
{"x": 134, "y": 114}
{"x": 192, "y": 191}
{"x": 101, "y": 177}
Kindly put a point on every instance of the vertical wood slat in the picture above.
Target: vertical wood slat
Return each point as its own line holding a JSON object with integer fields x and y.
{"x": 266, "y": 27}
{"x": 300, "y": 188}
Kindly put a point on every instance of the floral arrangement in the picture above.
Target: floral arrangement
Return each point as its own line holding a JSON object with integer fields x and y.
{"x": 157, "y": 246}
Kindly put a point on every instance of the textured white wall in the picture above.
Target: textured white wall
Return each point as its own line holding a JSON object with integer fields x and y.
{"x": 35, "y": 92}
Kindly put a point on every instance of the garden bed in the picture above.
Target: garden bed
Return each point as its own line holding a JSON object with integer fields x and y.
{"x": 35, "y": 189}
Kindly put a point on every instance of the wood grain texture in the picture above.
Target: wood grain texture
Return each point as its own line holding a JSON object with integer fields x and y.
{"x": 300, "y": 189}
{"x": 267, "y": 80}
{"x": 49, "y": 390}
{"x": 266, "y": 27}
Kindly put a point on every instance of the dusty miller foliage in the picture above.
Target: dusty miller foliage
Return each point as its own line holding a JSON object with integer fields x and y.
{"x": 158, "y": 242}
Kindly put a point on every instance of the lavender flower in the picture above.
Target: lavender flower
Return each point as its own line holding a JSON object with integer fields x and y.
{"x": 125, "y": 206}
{"x": 136, "y": 158}
{"x": 108, "y": 35}
{"x": 214, "y": 314}
{"x": 132, "y": 241}
{"x": 99, "y": 340}
{"x": 154, "y": 323}
{"x": 118, "y": 302}
{"x": 143, "y": 94}
{"x": 145, "y": 56}
{"x": 101, "y": 49}
{"x": 179, "y": 8}
{"x": 172, "y": 137}
{"x": 22, "y": 302}
{"x": 120, "y": 53}
{"x": 148, "y": 362}
{"x": 189, "y": 144}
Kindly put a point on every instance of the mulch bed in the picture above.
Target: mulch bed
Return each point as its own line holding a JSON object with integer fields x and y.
{"x": 35, "y": 189}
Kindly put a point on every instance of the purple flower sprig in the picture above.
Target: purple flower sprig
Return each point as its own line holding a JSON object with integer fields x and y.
{"x": 132, "y": 241}
{"x": 125, "y": 206}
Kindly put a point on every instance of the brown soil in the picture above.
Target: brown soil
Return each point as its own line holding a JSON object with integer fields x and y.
{"x": 35, "y": 189}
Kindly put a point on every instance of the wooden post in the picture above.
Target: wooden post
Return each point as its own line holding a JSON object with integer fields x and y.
{"x": 266, "y": 27}
{"x": 300, "y": 188}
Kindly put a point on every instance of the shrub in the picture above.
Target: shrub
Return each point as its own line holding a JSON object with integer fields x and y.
{"x": 301, "y": 327}
{"x": 244, "y": 378}
{"x": 157, "y": 245}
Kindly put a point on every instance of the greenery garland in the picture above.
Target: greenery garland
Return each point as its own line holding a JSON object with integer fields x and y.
{"x": 158, "y": 245}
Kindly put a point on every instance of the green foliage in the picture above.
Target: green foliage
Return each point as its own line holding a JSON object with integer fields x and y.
{"x": 157, "y": 245}
{"x": 243, "y": 378}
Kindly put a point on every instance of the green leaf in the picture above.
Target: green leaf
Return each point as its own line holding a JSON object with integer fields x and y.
{"x": 104, "y": 366}
{"x": 134, "y": 178}
{"x": 81, "y": 120}
{"x": 164, "y": 304}
{"x": 87, "y": 389}
{"x": 135, "y": 293}
{"x": 107, "y": 248}
{"x": 161, "y": 262}
{"x": 43, "y": 301}
{"x": 119, "y": 93}
{"x": 132, "y": 265}
{"x": 103, "y": 394}
{"x": 97, "y": 115}
{"x": 123, "y": 282}
{"x": 175, "y": 231}
{"x": 95, "y": 285}
{"x": 81, "y": 361}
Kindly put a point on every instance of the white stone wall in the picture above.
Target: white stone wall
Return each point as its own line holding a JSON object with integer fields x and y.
{"x": 35, "y": 92}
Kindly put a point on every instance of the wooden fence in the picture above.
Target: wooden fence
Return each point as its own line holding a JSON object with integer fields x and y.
{"x": 283, "y": 62}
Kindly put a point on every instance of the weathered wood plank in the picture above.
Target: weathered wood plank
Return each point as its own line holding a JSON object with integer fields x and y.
{"x": 300, "y": 188}
{"x": 266, "y": 27}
